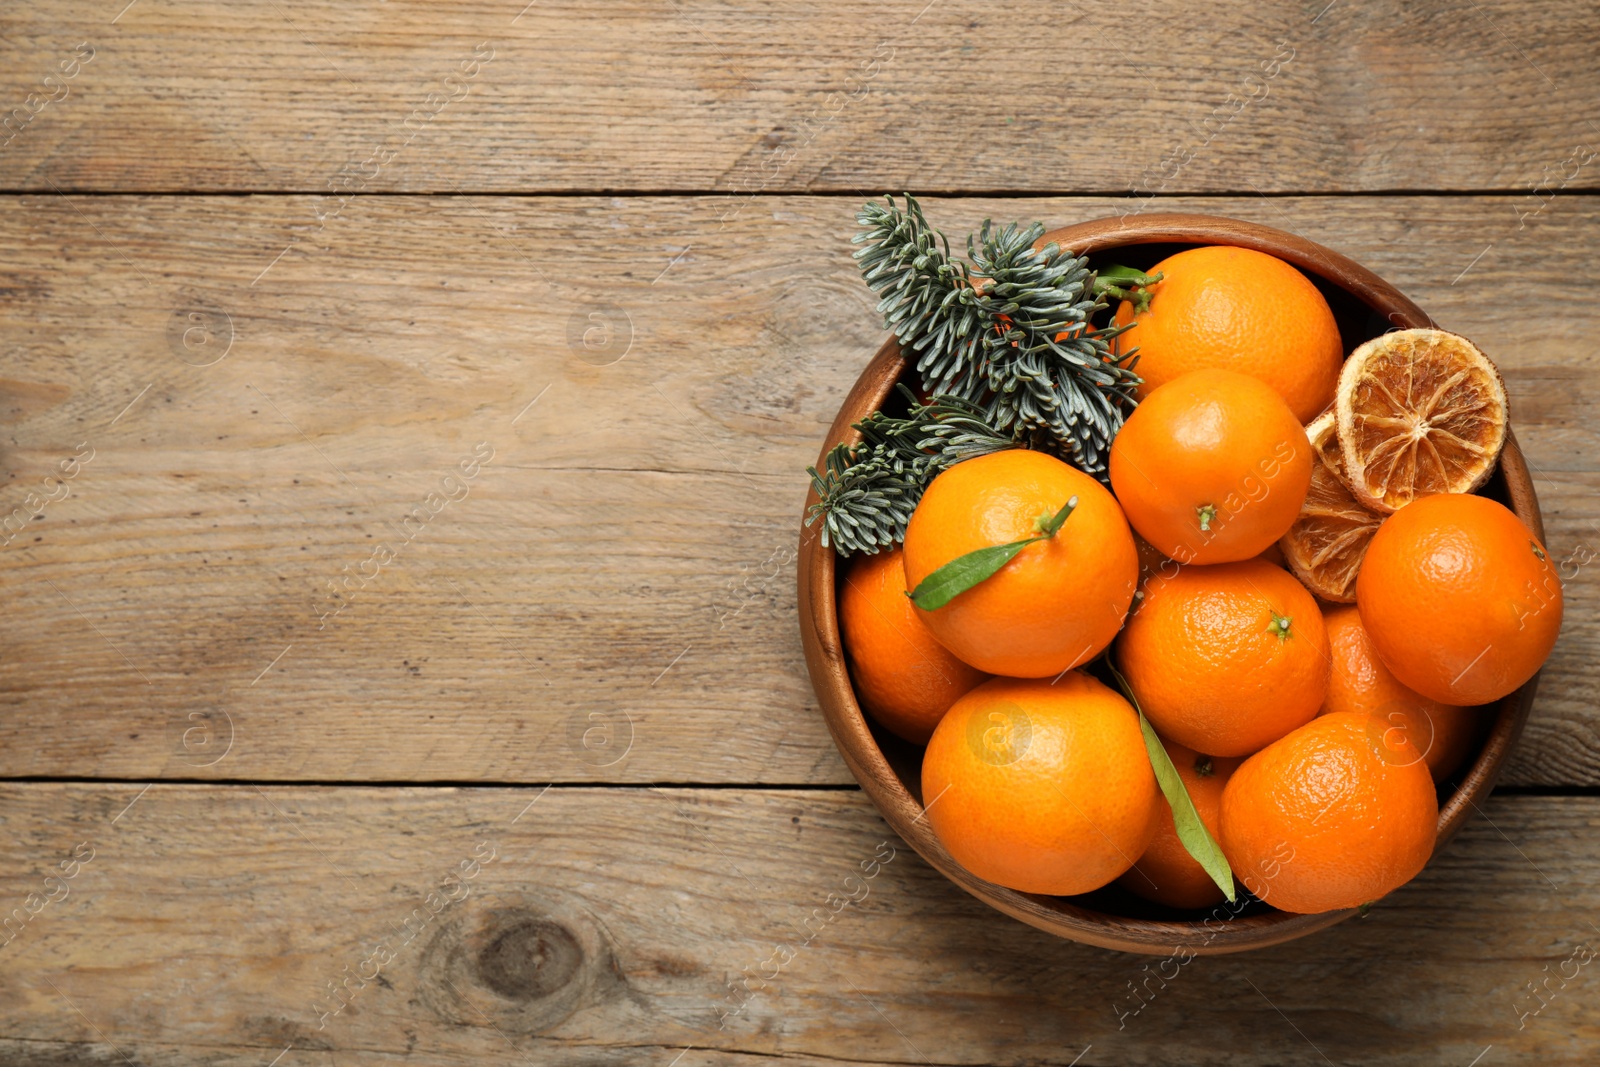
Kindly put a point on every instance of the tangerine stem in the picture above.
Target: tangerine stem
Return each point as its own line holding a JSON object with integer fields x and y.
{"x": 1279, "y": 626}
{"x": 1126, "y": 283}
{"x": 1048, "y": 525}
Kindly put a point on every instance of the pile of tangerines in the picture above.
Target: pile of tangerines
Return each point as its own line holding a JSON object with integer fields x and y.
{"x": 1291, "y": 575}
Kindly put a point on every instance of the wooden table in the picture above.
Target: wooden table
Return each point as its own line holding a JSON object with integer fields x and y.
{"x": 405, "y": 411}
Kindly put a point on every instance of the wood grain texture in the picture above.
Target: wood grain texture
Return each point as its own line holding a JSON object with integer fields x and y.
{"x": 741, "y": 96}
{"x": 624, "y": 562}
{"x": 210, "y": 920}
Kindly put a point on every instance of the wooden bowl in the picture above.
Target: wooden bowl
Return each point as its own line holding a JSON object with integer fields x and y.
{"x": 889, "y": 769}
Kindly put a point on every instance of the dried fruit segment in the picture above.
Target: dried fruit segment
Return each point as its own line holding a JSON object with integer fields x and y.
{"x": 1419, "y": 411}
{"x": 1326, "y": 544}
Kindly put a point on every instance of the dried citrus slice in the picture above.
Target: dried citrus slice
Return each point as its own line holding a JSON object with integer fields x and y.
{"x": 1325, "y": 545}
{"x": 1419, "y": 411}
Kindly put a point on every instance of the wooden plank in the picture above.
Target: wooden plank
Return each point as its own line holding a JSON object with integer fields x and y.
{"x": 741, "y": 97}
{"x": 621, "y": 566}
{"x": 210, "y": 920}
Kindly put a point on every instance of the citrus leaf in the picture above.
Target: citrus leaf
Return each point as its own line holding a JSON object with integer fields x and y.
{"x": 964, "y": 572}
{"x": 1197, "y": 840}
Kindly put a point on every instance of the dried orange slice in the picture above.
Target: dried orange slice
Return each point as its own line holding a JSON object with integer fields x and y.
{"x": 1325, "y": 545}
{"x": 1419, "y": 411}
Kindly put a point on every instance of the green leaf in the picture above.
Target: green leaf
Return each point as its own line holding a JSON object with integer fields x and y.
{"x": 964, "y": 572}
{"x": 1197, "y": 840}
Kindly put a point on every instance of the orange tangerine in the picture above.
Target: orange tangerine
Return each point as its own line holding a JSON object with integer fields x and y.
{"x": 903, "y": 676}
{"x": 1059, "y": 602}
{"x": 1041, "y": 787}
{"x": 1211, "y": 467}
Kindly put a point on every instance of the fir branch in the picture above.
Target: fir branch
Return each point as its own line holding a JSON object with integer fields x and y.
{"x": 864, "y": 503}
{"x": 866, "y": 493}
{"x": 1010, "y": 333}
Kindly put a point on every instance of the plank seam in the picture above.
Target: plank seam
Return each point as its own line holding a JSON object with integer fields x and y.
{"x": 820, "y": 194}
{"x": 438, "y": 783}
{"x": 449, "y": 783}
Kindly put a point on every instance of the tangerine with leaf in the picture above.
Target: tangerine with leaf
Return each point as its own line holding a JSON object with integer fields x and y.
{"x": 1166, "y": 872}
{"x": 1020, "y": 564}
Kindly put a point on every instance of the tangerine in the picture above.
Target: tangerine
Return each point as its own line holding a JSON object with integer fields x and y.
{"x": 1419, "y": 411}
{"x": 1330, "y": 816}
{"x": 1237, "y": 309}
{"x": 1442, "y": 733}
{"x": 1060, "y": 601}
{"x": 1211, "y": 467}
{"x": 1328, "y": 540}
{"x": 1459, "y": 598}
{"x": 903, "y": 676}
{"x": 1226, "y": 659}
{"x": 1041, "y": 787}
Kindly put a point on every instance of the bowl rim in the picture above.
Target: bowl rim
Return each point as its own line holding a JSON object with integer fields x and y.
{"x": 816, "y": 569}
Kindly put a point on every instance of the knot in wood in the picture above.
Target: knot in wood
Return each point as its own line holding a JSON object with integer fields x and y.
{"x": 521, "y": 961}
{"x": 529, "y": 958}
